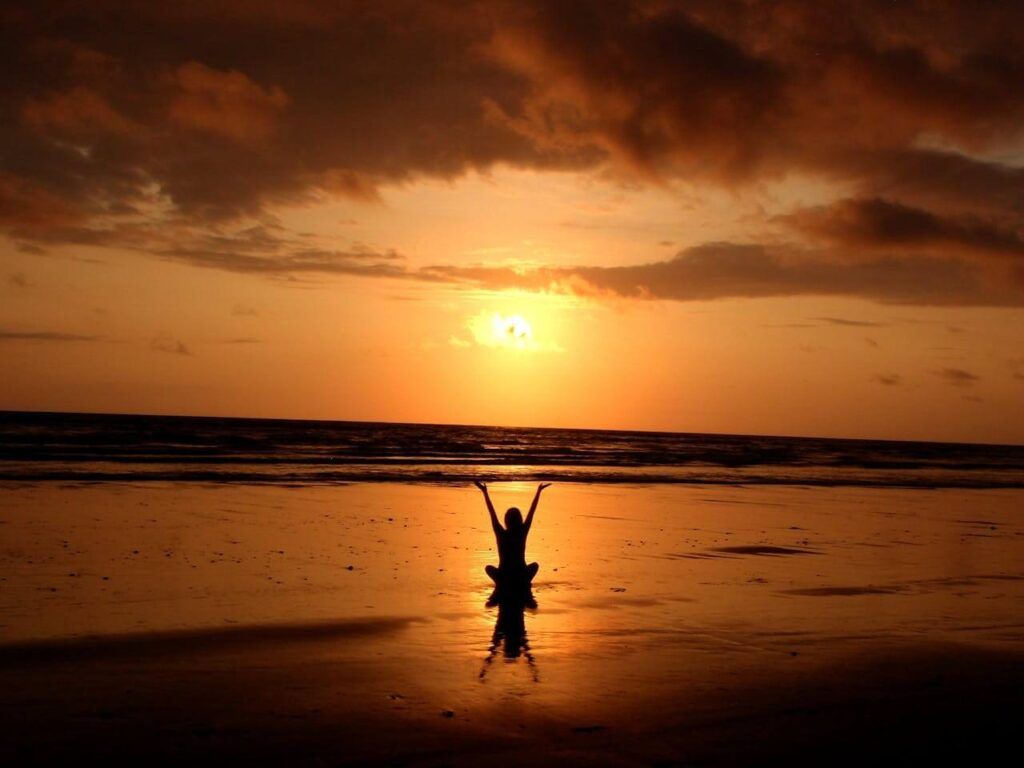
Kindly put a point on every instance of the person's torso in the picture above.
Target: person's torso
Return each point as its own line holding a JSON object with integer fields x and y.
{"x": 511, "y": 549}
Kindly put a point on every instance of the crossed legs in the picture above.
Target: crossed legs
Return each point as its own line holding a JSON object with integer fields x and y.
{"x": 495, "y": 573}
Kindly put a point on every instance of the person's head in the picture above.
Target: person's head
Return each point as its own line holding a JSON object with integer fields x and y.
{"x": 513, "y": 519}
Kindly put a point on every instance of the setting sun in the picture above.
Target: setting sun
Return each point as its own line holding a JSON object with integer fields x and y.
{"x": 496, "y": 330}
{"x": 511, "y": 331}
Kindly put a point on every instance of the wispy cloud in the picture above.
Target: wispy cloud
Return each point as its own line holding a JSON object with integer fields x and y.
{"x": 19, "y": 280}
{"x": 847, "y": 322}
{"x": 169, "y": 345}
{"x": 888, "y": 379}
{"x": 958, "y": 377}
{"x": 56, "y": 336}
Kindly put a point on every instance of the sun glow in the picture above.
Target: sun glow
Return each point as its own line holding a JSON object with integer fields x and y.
{"x": 493, "y": 329}
{"x": 511, "y": 331}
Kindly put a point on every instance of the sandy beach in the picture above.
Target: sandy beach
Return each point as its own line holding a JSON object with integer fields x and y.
{"x": 674, "y": 625}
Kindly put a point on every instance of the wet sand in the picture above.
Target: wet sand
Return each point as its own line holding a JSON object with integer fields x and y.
{"x": 674, "y": 625}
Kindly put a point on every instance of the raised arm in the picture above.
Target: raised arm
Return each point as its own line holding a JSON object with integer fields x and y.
{"x": 533, "y": 506}
{"x": 490, "y": 507}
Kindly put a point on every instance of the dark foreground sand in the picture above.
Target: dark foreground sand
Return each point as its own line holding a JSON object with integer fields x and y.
{"x": 684, "y": 626}
{"x": 293, "y": 700}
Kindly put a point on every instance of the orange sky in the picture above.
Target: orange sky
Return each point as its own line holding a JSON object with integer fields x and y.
{"x": 794, "y": 219}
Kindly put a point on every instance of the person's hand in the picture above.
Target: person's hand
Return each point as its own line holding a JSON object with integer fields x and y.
{"x": 542, "y": 486}
{"x": 481, "y": 485}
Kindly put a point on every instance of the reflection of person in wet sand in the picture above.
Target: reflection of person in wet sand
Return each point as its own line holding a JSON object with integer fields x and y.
{"x": 512, "y": 571}
{"x": 510, "y": 635}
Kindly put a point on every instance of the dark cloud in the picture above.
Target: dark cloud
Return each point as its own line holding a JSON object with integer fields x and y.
{"x": 884, "y": 225}
{"x": 212, "y": 112}
{"x": 231, "y": 105}
{"x": 44, "y": 336}
{"x": 226, "y": 109}
{"x": 888, "y": 379}
{"x": 653, "y": 87}
{"x": 957, "y": 377}
{"x": 730, "y": 270}
{"x": 947, "y": 181}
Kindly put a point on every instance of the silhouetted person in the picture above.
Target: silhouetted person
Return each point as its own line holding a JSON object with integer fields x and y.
{"x": 512, "y": 571}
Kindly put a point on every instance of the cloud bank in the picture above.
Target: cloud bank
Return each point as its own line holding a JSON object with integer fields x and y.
{"x": 162, "y": 128}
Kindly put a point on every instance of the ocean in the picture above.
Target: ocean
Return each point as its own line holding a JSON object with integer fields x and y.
{"x": 90, "y": 448}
